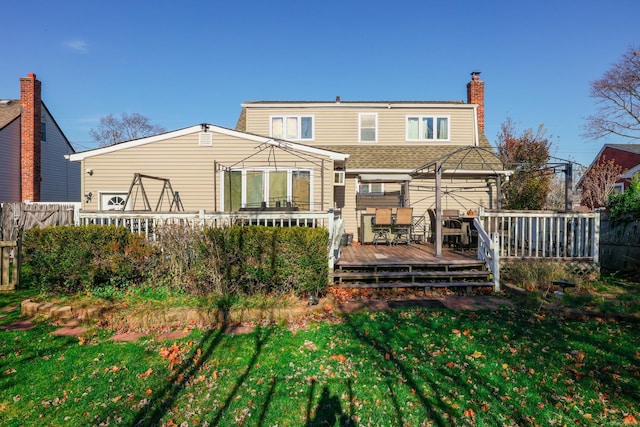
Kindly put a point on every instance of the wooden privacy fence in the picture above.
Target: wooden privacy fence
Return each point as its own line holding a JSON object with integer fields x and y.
{"x": 15, "y": 217}
{"x": 544, "y": 234}
{"x": 9, "y": 265}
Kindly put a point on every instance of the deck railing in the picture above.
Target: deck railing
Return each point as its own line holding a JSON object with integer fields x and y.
{"x": 147, "y": 222}
{"x": 544, "y": 234}
{"x": 489, "y": 253}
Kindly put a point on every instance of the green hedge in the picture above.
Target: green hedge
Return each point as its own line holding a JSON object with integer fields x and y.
{"x": 232, "y": 260}
{"x": 75, "y": 259}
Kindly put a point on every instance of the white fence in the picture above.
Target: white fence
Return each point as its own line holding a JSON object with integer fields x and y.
{"x": 544, "y": 234}
{"x": 146, "y": 222}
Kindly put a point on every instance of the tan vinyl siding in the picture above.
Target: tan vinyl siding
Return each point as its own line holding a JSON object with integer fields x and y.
{"x": 349, "y": 213}
{"x": 339, "y": 125}
{"x": 190, "y": 168}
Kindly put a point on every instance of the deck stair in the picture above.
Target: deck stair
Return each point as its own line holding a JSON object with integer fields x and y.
{"x": 466, "y": 275}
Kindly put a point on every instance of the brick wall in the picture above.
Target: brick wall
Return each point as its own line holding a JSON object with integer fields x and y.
{"x": 31, "y": 126}
{"x": 475, "y": 95}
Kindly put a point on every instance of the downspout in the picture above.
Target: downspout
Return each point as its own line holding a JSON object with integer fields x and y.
{"x": 475, "y": 122}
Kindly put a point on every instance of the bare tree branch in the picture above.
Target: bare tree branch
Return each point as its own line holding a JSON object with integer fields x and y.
{"x": 617, "y": 96}
{"x": 113, "y": 130}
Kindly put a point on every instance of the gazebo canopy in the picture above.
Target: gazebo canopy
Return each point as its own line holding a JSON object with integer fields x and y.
{"x": 466, "y": 162}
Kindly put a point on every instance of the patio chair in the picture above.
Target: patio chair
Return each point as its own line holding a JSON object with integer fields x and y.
{"x": 382, "y": 226}
{"x": 402, "y": 226}
{"x": 451, "y": 228}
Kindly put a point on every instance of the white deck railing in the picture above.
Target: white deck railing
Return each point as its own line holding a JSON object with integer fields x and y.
{"x": 488, "y": 252}
{"x": 544, "y": 234}
{"x": 146, "y": 222}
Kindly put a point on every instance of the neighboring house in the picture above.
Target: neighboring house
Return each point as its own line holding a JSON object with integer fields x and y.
{"x": 211, "y": 168}
{"x": 33, "y": 149}
{"x": 627, "y": 156}
{"x": 393, "y": 147}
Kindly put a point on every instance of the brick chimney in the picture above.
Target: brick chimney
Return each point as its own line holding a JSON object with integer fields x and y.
{"x": 475, "y": 95}
{"x": 31, "y": 128}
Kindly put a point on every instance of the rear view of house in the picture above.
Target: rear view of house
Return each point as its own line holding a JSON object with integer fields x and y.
{"x": 33, "y": 149}
{"x": 393, "y": 147}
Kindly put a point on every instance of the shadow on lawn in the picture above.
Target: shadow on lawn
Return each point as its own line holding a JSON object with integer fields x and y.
{"x": 518, "y": 339}
{"x": 434, "y": 370}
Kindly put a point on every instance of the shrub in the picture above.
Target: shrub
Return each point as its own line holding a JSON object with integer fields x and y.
{"x": 534, "y": 274}
{"x": 74, "y": 259}
{"x": 239, "y": 260}
{"x": 625, "y": 207}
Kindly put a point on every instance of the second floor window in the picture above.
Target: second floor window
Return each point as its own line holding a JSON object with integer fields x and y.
{"x": 427, "y": 128}
{"x": 368, "y": 125}
{"x": 292, "y": 127}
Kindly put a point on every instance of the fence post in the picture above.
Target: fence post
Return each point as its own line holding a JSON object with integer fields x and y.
{"x": 495, "y": 255}
{"x": 9, "y": 273}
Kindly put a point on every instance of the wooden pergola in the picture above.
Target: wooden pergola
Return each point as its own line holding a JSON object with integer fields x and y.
{"x": 467, "y": 162}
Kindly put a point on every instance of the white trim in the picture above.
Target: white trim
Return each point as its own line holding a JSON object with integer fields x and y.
{"x": 299, "y": 117}
{"x": 476, "y": 131}
{"x": 360, "y": 105}
{"x": 630, "y": 172}
{"x": 341, "y": 178}
{"x": 265, "y": 195}
{"x": 375, "y": 139}
{"x": 333, "y": 155}
{"x": 110, "y": 194}
{"x": 420, "y": 118}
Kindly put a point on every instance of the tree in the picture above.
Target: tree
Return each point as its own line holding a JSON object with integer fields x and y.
{"x": 113, "y": 130}
{"x": 598, "y": 181}
{"x": 617, "y": 95}
{"x": 625, "y": 207}
{"x": 526, "y": 153}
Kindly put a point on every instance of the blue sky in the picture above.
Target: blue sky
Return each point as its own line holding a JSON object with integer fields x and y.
{"x": 186, "y": 62}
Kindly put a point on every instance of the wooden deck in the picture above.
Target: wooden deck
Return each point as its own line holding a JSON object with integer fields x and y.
{"x": 414, "y": 266}
{"x": 417, "y": 254}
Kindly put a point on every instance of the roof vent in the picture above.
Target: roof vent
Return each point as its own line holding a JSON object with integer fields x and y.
{"x": 5, "y": 102}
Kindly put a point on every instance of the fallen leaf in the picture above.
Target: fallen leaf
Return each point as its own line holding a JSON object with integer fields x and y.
{"x": 339, "y": 357}
{"x": 115, "y": 399}
{"x": 146, "y": 373}
{"x": 630, "y": 420}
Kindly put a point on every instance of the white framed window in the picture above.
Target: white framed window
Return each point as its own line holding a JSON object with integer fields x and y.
{"x": 428, "y": 128}
{"x": 338, "y": 177}
{"x": 256, "y": 188}
{"x": 368, "y": 127}
{"x": 205, "y": 139}
{"x": 112, "y": 201}
{"x": 296, "y": 128}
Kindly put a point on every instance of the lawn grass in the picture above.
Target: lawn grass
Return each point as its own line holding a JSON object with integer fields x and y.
{"x": 401, "y": 367}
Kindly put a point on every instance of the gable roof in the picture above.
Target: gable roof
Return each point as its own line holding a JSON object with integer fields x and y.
{"x": 334, "y": 155}
{"x": 9, "y": 112}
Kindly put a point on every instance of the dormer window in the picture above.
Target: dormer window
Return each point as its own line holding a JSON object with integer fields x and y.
{"x": 294, "y": 128}
{"x": 427, "y": 128}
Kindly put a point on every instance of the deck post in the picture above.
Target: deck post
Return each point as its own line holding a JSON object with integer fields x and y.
{"x": 438, "y": 225}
